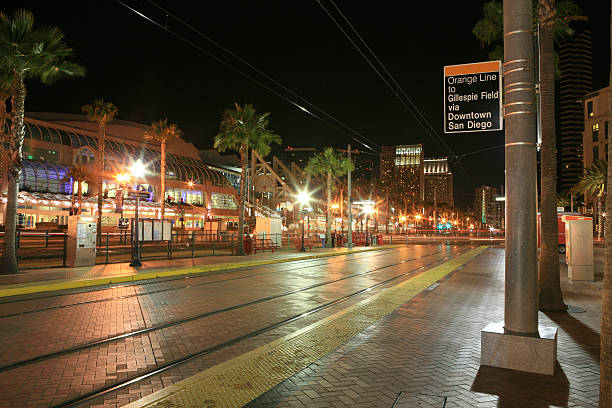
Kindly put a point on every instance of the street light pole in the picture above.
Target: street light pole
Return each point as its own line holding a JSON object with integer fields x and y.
{"x": 302, "y": 249}
{"x": 349, "y": 243}
{"x": 135, "y": 239}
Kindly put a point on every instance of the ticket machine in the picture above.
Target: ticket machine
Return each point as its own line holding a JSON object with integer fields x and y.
{"x": 579, "y": 243}
{"x": 81, "y": 241}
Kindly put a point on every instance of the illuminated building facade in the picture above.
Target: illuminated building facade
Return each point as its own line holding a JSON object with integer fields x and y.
{"x": 575, "y": 81}
{"x": 402, "y": 171}
{"x": 55, "y": 143}
{"x": 485, "y": 207}
{"x": 438, "y": 181}
{"x": 595, "y": 134}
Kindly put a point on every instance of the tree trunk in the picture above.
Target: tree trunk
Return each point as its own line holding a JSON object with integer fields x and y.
{"x": 243, "y": 175}
{"x": 328, "y": 240}
{"x": 550, "y": 297}
{"x": 162, "y": 179}
{"x": 14, "y": 176}
{"x": 388, "y": 213}
{"x": 605, "y": 357}
{"x": 101, "y": 140}
{"x": 600, "y": 217}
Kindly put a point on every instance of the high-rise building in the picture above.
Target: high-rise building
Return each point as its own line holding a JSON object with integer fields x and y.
{"x": 576, "y": 81}
{"x": 485, "y": 208}
{"x": 595, "y": 135}
{"x": 401, "y": 171}
{"x": 438, "y": 181}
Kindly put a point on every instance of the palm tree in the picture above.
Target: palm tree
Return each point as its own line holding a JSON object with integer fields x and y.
{"x": 242, "y": 129}
{"x": 550, "y": 297}
{"x": 29, "y": 53}
{"x": 605, "y": 357}
{"x": 328, "y": 164}
{"x": 5, "y": 94}
{"x": 162, "y": 133}
{"x": 101, "y": 113}
{"x": 78, "y": 174}
{"x": 593, "y": 182}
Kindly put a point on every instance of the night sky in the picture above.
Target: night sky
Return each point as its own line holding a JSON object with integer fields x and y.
{"x": 149, "y": 74}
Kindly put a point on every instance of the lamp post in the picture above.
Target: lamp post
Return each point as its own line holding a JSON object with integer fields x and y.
{"x": 303, "y": 198}
{"x": 137, "y": 171}
{"x": 367, "y": 210}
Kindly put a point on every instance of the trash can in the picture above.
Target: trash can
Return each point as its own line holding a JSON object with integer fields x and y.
{"x": 380, "y": 239}
{"x": 248, "y": 245}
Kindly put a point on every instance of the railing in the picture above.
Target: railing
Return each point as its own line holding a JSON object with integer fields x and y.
{"x": 48, "y": 249}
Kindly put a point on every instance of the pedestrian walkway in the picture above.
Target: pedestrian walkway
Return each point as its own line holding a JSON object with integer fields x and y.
{"x": 51, "y": 279}
{"x": 423, "y": 354}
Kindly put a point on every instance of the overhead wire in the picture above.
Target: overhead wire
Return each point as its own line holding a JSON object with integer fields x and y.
{"x": 413, "y": 109}
{"x": 395, "y": 87}
{"x": 356, "y": 135}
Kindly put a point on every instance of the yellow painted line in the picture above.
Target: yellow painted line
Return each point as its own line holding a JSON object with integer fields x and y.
{"x": 237, "y": 381}
{"x": 51, "y": 286}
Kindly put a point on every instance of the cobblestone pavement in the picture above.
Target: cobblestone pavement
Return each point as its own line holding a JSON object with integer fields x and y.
{"x": 429, "y": 350}
{"x": 108, "y": 312}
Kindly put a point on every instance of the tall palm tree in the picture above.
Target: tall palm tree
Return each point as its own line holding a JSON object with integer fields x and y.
{"x": 162, "y": 133}
{"x": 101, "y": 113}
{"x": 78, "y": 174}
{"x": 5, "y": 93}
{"x": 242, "y": 129}
{"x": 28, "y": 52}
{"x": 605, "y": 357}
{"x": 328, "y": 164}
{"x": 594, "y": 182}
{"x": 550, "y": 297}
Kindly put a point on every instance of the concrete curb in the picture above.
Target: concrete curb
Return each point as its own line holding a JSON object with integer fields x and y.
{"x": 82, "y": 283}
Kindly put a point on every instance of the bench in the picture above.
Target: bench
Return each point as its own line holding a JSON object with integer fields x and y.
{"x": 264, "y": 245}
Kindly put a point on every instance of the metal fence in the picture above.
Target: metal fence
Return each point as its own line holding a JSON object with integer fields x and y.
{"x": 48, "y": 249}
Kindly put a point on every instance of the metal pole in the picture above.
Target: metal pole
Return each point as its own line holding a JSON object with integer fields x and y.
{"x": 135, "y": 239}
{"x": 521, "y": 284}
{"x": 350, "y": 207}
{"x": 302, "y": 249}
{"x": 107, "y": 247}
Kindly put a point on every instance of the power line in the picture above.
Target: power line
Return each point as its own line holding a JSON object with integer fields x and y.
{"x": 395, "y": 89}
{"x": 251, "y": 78}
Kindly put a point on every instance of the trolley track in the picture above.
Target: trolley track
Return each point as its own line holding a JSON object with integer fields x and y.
{"x": 106, "y": 390}
{"x": 152, "y": 292}
{"x": 192, "y": 318}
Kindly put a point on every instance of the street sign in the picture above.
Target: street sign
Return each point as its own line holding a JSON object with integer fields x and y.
{"x": 472, "y": 97}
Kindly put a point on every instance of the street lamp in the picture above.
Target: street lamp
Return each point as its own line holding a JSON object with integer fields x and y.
{"x": 137, "y": 171}
{"x": 303, "y": 198}
{"x": 368, "y": 209}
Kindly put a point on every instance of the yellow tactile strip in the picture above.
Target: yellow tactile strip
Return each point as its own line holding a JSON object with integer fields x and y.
{"x": 242, "y": 379}
{"x": 50, "y": 286}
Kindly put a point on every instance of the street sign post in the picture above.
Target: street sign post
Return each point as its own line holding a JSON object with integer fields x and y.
{"x": 472, "y": 97}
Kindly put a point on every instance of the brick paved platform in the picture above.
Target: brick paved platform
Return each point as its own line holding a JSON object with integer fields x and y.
{"x": 429, "y": 350}
{"x": 424, "y": 354}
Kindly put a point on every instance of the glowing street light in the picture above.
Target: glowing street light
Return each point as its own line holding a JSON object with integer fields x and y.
{"x": 303, "y": 198}
{"x": 138, "y": 169}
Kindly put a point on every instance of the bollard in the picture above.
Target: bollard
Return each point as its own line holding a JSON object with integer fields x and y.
{"x": 192, "y": 244}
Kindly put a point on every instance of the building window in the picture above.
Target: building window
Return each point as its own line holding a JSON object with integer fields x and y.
{"x": 595, "y": 153}
{"x": 590, "y": 109}
{"x": 596, "y": 132}
{"x": 223, "y": 201}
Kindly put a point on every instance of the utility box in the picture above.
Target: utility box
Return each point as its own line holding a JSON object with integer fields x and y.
{"x": 81, "y": 242}
{"x": 579, "y": 243}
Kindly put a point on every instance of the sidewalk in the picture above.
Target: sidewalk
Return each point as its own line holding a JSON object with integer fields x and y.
{"x": 51, "y": 279}
{"x": 426, "y": 353}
